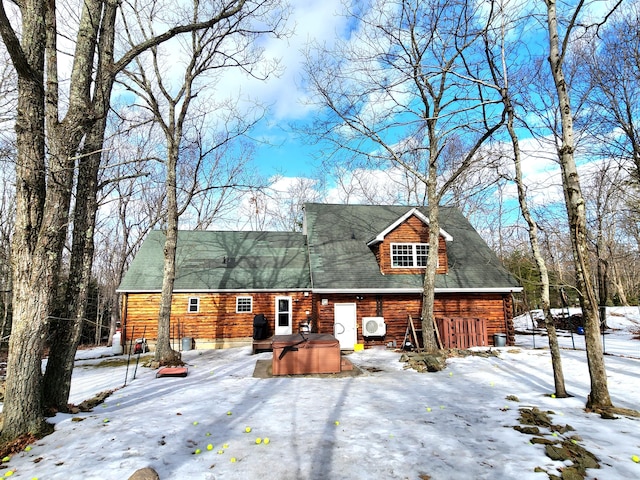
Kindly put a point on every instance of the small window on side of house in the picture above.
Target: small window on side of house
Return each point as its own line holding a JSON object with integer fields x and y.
{"x": 244, "y": 304}
{"x": 194, "y": 305}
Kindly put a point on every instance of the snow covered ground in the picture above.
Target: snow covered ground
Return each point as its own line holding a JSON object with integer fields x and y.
{"x": 388, "y": 422}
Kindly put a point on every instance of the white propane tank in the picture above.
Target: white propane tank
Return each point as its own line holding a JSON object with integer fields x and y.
{"x": 116, "y": 345}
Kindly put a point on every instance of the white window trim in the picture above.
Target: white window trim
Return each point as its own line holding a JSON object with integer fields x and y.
{"x": 197, "y": 305}
{"x": 244, "y": 298}
{"x": 414, "y": 254}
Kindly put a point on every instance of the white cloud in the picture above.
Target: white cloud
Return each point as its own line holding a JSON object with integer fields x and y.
{"x": 312, "y": 20}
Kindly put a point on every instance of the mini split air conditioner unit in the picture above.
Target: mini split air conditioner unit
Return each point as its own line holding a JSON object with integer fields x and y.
{"x": 373, "y": 326}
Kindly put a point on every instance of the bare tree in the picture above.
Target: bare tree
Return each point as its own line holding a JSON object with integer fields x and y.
{"x": 497, "y": 55}
{"x": 45, "y": 166}
{"x": 7, "y": 204}
{"x": 575, "y": 204}
{"x": 228, "y": 44}
{"x": 407, "y": 90}
{"x": 130, "y": 206}
{"x": 287, "y": 203}
{"x": 610, "y": 59}
{"x": 8, "y": 102}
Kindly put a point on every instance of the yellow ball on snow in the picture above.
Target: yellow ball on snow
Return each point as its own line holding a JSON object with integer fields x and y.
{"x": 247, "y": 429}
{"x": 266, "y": 440}
{"x": 209, "y": 447}
{"x": 258, "y": 440}
{"x": 635, "y": 458}
{"x": 233, "y": 459}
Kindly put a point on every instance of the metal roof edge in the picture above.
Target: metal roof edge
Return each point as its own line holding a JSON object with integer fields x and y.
{"x": 221, "y": 290}
{"x": 480, "y": 290}
{"x": 337, "y": 290}
{"x": 417, "y": 290}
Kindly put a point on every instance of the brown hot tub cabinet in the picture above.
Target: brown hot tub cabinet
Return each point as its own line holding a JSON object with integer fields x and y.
{"x": 305, "y": 354}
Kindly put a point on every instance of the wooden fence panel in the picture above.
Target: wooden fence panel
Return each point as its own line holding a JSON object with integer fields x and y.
{"x": 462, "y": 333}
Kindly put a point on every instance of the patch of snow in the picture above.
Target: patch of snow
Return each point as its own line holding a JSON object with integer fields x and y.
{"x": 389, "y": 422}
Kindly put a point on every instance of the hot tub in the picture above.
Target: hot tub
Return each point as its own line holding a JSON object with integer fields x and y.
{"x": 305, "y": 353}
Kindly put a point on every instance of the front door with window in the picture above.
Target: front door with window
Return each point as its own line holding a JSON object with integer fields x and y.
{"x": 283, "y": 316}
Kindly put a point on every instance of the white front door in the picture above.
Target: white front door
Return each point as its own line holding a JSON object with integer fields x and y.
{"x": 283, "y": 316}
{"x": 344, "y": 324}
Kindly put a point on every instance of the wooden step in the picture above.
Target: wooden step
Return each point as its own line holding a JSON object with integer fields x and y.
{"x": 345, "y": 364}
{"x": 265, "y": 345}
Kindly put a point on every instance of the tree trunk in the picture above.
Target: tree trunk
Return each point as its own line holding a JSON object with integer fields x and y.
{"x": 575, "y": 205}
{"x": 622, "y": 296}
{"x": 541, "y": 265}
{"x": 165, "y": 355}
{"x": 66, "y": 336}
{"x": 22, "y": 410}
{"x": 43, "y": 183}
{"x": 429, "y": 339}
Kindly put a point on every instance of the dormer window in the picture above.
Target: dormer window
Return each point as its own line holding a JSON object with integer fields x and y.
{"x": 409, "y": 255}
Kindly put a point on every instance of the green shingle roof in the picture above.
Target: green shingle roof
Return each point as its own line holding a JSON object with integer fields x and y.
{"x": 341, "y": 260}
{"x": 219, "y": 261}
{"x": 337, "y": 258}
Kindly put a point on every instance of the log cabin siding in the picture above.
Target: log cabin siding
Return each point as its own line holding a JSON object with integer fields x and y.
{"x": 413, "y": 230}
{"x": 493, "y": 308}
{"x": 276, "y": 263}
{"x": 216, "y": 319}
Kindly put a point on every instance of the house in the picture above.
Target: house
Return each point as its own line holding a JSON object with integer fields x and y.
{"x": 355, "y": 271}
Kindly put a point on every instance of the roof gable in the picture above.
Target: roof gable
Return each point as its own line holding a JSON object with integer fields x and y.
{"x": 341, "y": 259}
{"x": 333, "y": 254}
{"x": 413, "y": 212}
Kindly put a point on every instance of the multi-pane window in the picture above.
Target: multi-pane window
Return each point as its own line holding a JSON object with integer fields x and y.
{"x": 244, "y": 304}
{"x": 194, "y": 305}
{"x": 409, "y": 255}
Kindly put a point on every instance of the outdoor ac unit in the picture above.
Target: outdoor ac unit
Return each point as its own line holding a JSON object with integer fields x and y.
{"x": 373, "y": 326}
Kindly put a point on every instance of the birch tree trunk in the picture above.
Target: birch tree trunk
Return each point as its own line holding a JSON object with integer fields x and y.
{"x": 541, "y": 265}
{"x": 575, "y": 205}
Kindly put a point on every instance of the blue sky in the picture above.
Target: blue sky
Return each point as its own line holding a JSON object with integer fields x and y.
{"x": 282, "y": 151}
